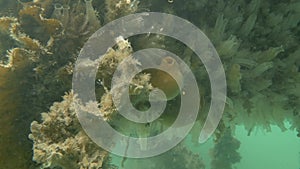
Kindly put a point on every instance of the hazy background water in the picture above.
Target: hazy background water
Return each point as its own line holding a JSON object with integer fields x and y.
{"x": 260, "y": 150}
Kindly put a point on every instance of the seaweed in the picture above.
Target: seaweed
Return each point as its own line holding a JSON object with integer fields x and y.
{"x": 258, "y": 43}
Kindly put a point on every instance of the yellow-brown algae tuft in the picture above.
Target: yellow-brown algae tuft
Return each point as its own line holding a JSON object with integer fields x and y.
{"x": 32, "y": 11}
{"x": 52, "y": 26}
{"x": 5, "y": 23}
{"x": 18, "y": 57}
{"x": 29, "y": 43}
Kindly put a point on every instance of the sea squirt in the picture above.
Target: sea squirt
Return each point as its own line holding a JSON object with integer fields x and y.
{"x": 170, "y": 80}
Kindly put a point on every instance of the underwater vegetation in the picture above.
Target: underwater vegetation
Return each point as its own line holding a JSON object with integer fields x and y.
{"x": 226, "y": 143}
{"x": 258, "y": 43}
{"x": 172, "y": 159}
{"x": 61, "y": 142}
{"x": 35, "y": 51}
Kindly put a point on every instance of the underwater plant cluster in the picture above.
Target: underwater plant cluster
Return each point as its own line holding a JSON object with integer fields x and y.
{"x": 258, "y": 43}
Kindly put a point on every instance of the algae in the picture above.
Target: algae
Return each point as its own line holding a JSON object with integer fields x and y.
{"x": 258, "y": 42}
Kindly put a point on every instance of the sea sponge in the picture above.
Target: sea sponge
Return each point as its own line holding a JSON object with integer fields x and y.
{"x": 91, "y": 16}
{"x": 78, "y": 19}
{"x": 163, "y": 80}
